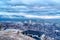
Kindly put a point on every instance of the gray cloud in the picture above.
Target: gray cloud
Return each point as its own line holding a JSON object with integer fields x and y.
{"x": 32, "y": 8}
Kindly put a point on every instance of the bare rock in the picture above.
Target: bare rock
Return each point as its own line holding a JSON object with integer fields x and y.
{"x": 13, "y": 34}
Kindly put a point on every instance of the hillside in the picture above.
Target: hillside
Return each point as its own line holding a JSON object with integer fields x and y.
{"x": 12, "y": 34}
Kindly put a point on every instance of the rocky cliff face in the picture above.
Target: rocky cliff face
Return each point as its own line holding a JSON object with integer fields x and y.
{"x": 12, "y": 34}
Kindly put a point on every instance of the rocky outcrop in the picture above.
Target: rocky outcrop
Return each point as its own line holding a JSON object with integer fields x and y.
{"x": 13, "y": 34}
{"x": 44, "y": 37}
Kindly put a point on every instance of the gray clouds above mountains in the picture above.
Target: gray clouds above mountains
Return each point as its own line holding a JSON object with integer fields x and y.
{"x": 48, "y": 9}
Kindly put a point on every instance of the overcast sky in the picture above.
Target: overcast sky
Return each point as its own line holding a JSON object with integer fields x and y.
{"x": 43, "y": 10}
{"x": 33, "y": 1}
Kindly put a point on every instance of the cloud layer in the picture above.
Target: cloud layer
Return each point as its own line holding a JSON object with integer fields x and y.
{"x": 15, "y": 15}
{"x": 42, "y": 9}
